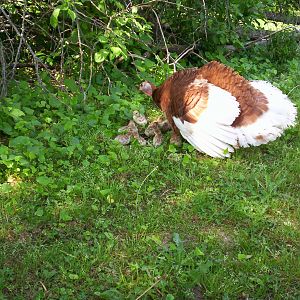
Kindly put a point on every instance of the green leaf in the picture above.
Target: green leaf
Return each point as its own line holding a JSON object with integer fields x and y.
{"x": 172, "y": 148}
{"x": 44, "y": 180}
{"x": 116, "y": 51}
{"x": 28, "y": 111}
{"x": 4, "y": 150}
{"x": 242, "y": 256}
{"x": 54, "y": 102}
{"x": 64, "y": 216}
{"x": 134, "y": 9}
{"x": 16, "y": 113}
{"x": 186, "y": 159}
{"x": 71, "y": 84}
{"x": 156, "y": 239}
{"x": 102, "y": 39}
{"x": 54, "y": 17}
{"x": 6, "y": 128}
{"x": 101, "y": 7}
{"x": 20, "y": 141}
{"x": 198, "y": 252}
{"x": 111, "y": 294}
{"x": 101, "y": 55}
{"x": 73, "y": 276}
{"x": 177, "y": 240}
{"x": 39, "y": 212}
{"x": 72, "y": 14}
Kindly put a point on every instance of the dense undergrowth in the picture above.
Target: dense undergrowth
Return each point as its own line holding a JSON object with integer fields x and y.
{"x": 83, "y": 217}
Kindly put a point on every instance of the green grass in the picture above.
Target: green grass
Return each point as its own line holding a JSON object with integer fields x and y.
{"x": 164, "y": 223}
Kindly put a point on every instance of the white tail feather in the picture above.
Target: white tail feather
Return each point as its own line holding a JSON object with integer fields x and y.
{"x": 270, "y": 125}
{"x": 213, "y": 133}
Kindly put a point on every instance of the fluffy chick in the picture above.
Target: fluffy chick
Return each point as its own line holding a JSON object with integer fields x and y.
{"x": 139, "y": 118}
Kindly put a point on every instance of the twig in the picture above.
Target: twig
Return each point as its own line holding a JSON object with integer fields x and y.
{"x": 200, "y": 56}
{"x": 20, "y": 42}
{"x": 62, "y": 56}
{"x": 68, "y": 254}
{"x": 295, "y": 87}
{"x": 108, "y": 79}
{"x": 265, "y": 37}
{"x": 147, "y": 4}
{"x": 182, "y": 55}
{"x": 3, "y": 72}
{"x": 81, "y": 60}
{"x": 45, "y": 289}
{"x": 148, "y": 289}
{"x": 205, "y": 18}
{"x": 227, "y": 12}
{"x": 138, "y": 192}
{"x": 163, "y": 36}
{"x": 91, "y": 72}
{"x": 96, "y": 7}
{"x": 35, "y": 58}
{"x": 268, "y": 35}
{"x": 32, "y": 65}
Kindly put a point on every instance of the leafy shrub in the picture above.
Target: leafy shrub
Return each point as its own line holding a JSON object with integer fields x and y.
{"x": 283, "y": 47}
{"x": 43, "y": 129}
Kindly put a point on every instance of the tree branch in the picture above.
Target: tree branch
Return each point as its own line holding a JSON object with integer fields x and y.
{"x": 3, "y": 72}
{"x": 163, "y": 36}
{"x": 20, "y": 42}
{"x": 35, "y": 58}
{"x": 81, "y": 60}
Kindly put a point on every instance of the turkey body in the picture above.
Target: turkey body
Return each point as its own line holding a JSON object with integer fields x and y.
{"x": 216, "y": 110}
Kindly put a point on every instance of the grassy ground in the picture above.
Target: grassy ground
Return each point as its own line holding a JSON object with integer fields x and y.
{"x": 143, "y": 223}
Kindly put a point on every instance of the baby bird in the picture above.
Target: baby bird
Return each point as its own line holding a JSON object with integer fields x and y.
{"x": 154, "y": 130}
{"x": 131, "y": 131}
{"x": 124, "y": 139}
{"x": 139, "y": 118}
{"x": 164, "y": 125}
{"x": 130, "y": 127}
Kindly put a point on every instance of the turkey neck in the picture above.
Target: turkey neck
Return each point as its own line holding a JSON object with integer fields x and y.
{"x": 253, "y": 103}
{"x": 157, "y": 96}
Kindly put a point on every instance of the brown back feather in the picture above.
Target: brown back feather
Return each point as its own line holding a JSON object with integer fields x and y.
{"x": 177, "y": 96}
{"x": 253, "y": 103}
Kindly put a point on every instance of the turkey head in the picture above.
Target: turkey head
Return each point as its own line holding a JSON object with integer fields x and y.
{"x": 147, "y": 88}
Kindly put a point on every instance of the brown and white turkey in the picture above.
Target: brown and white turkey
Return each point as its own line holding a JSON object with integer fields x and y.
{"x": 216, "y": 110}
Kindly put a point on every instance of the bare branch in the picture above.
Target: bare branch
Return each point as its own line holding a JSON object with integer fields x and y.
{"x": 205, "y": 18}
{"x": 151, "y": 287}
{"x": 20, "y": 42}
{"x": 35, "y": 58}
{"x": 198, "y": 55}
{"x": 163, "y": 36}
{"x": 91, "y": 72}
{"x": 81, "y": 60}
{"x": 183, "y": 54}
{"x": 269, "y": 35}
{"x": 3, "y": 72}
{"x": 261, "y": 39}
{"x": 148, "y": 4}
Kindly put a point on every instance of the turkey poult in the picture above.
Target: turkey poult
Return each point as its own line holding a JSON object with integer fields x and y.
{"x": 216, "y": 110}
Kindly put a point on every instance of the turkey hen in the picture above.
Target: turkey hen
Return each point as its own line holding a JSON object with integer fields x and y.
{"x": 216, "y": 110}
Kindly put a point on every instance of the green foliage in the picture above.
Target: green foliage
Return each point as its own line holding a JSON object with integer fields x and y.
{"x": 212, "y": 23}
{"x": 283, "y": 47}
{"x": 43, "y": 129}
